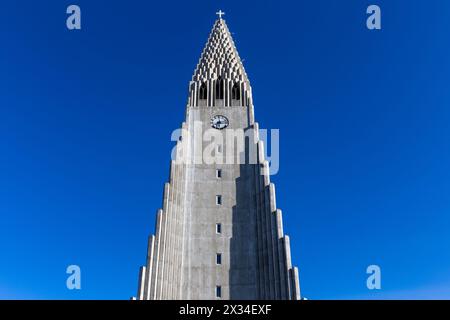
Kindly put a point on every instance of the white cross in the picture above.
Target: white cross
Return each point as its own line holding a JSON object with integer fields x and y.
{"x": 220, "y": 13}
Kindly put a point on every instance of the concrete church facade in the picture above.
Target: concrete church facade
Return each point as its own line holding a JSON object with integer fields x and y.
{"x": 219, "y": 234}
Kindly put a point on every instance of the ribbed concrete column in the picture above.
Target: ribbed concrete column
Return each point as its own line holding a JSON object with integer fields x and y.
{"x": 295, "y": 284}
{"x": 156, "y": 259}
{"x": 281, "y": 255}
{"x": 269, "y": 244}
{"x": 141, "y": 283}
{"x": 149, "y": 267}
{"x": 259, "y": 232}
{"x": 287, "y": 255}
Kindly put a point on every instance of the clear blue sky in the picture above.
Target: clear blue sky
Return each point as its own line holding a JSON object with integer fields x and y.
{"x": 364, "y": 119}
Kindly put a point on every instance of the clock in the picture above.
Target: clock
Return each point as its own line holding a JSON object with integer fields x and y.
{"x": 219, "y": 122}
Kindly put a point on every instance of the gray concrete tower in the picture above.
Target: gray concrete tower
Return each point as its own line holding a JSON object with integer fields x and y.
{"x": 219, "y": 234}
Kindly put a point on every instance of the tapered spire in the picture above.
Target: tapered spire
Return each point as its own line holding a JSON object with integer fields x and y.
{"x": 220, "y": 78}
{"x": 220, "y": 57}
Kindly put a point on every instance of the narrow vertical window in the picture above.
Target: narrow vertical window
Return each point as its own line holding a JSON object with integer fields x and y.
{"x": 218, "y": 200}
{"x": 219, "y": 258}
{"x": 218, "y": 228}
{"x": 219, "y": 173}
{"x": 219, "y": 148}
{"x": 218, "y": 291}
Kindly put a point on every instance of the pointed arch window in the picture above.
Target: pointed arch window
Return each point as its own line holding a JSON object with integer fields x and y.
{"x": 236, "y": 92}
{"x": 203, "y": 92}
{"x": 219, "y": 88}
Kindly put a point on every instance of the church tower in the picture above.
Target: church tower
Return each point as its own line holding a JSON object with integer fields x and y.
{"x": 219, "y": 234}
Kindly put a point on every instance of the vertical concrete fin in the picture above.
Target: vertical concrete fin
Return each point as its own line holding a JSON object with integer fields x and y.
{"x": 270, "y": 246}
{"x": 166, "y": 196}
{"x": 256, "y": 133}
{"x": 161, "y": 253}
{"x": 275, "y": 254}
{"x": 157, "y": 249}
{"x": 178, "y": 246}
{"x": 168, "y": 239}
{"x": 167, "y": 246}
{"x": 266, "y": 173}
{"x": 181, "y": 234}
{"x": 172, "y": 276}
{"x": 251, "y": 114}
{"x": 260, "y": 234}
{"x": 287, "y": 248}
{"x": 295, "y": 284}
{"x": 140, "y": 295}
{"x": 273, "y": 204}
{"x": 172, "y": 168}
{"x": 288, "y": 266}
{"x": 283, "y": 270}
{"x": 281, "y": 255}
{"x": 274, "y": 240}
{"x": 174, "y": 230}
{"x": 261, "y": 152}
{"x": 266, "y": 257}
{"x": 279, "y": 224}
{"x": 149, "y": 267}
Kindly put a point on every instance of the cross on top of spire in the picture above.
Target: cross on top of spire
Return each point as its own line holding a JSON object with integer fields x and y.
{"x": 220, "y": 13}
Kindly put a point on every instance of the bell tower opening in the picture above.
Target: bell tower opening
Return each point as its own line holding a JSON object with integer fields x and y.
{"x": 203, "y": 92}
{"x": 219, "y": 88}
{"x": 236, "y": 92}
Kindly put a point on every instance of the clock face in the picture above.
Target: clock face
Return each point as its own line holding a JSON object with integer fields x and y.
{"x": 219, "y": 122}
